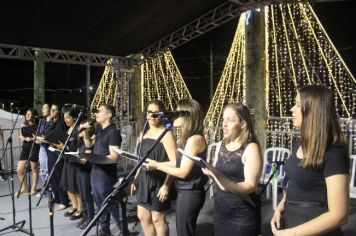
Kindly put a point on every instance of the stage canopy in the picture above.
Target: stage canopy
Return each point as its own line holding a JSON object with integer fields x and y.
{"x": 113, "y": 27}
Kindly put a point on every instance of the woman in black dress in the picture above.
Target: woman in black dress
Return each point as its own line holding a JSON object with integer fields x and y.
{"x": 153, "y": 186}
{"x": 83, "y": 181}
{"x": 190, "y": 180}
{"x": 68, "y": 180}
{"x": 27, "y": 133}
{"x": 237, "y": 170}
{"x": 317, "y": 197}
{"x": 55, "y": 124}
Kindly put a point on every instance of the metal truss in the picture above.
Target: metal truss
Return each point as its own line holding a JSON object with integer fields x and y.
{"x": 60, "y": 56}
{"x": 210, "y": 20}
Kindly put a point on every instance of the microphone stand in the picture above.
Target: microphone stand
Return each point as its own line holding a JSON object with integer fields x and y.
{"x": 19, "y": 225}
{"x": 28, "y": 176}
{"x": 275, "y": 167}
{"x": 47, "y": 185}
{"x": 120, "y": 185}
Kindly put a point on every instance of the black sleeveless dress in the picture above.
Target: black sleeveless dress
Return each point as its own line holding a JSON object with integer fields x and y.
{"x": 149, "y": 182}
{"x": 232, "y": 215}
{"x": 29, "y": 131}
{"x": 69, "y": 172}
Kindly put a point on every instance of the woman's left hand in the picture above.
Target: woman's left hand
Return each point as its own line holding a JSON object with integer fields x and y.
{"x": 209, "y": 170}
{"x": 151, "y": 164}
{"x": 163, "y": 193}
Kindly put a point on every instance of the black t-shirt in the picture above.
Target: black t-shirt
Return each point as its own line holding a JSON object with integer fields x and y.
{"x": 109, "y": 136}
{"x": 309, "y": 184}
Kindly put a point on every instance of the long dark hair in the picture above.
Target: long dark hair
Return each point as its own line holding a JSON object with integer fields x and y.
{"x": 34, "y": 119}
{"x": 320, "y": 128}
{"x": 193, "y": 124}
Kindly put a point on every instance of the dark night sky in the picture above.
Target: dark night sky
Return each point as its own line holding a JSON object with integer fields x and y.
{"x": 192, "y": 59}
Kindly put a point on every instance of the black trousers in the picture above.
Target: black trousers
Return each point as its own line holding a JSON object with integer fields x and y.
{"x": 84, "y": 187}
{"x": 295, "y": 214}
{"x": 60, "y": 196}
{"x": 188, "y": 206}
{"x": 101, "y": 188}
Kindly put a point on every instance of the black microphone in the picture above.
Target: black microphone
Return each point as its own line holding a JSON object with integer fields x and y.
{"x": 90, "y": 123}
{"x": 170, "y": 114}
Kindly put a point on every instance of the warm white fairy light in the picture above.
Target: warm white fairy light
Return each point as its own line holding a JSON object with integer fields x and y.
{"x": 162, "y": 80}
{"x": 301, "y": 54}
{"x": 231, "y": 87}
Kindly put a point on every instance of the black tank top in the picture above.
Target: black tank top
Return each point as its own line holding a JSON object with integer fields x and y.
{"x": 196, "y": 179}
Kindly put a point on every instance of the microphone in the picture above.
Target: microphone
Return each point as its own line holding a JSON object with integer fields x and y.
{"x": 90, "y": 123}
{"x": 170, "y": 114}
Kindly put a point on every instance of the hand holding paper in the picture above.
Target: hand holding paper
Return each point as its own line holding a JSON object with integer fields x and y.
{"x": 125, "y": 154}
{"x": 197, "y": 160}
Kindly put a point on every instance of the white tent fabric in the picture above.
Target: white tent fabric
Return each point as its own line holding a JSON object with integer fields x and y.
{"x": 7, "y": 120}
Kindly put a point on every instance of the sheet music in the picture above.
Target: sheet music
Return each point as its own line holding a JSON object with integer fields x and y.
{"x": 52, "y": 149}
{"x": 125, "y": 154}
{"x": 199, "y": 161}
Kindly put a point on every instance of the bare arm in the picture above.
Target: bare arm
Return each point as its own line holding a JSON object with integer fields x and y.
{"x": 170, "y": 146}
{"x": 113, "y": 155}
{"x": 252, "y": 173}
{"x": 21, "y": 137}
{"x": 252, "y": 170}
{"x": 195, "y": 145}
{"x": 338, "y": 207}
{"x": 276, "y": 219}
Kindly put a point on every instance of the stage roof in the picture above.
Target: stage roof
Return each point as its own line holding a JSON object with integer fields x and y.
{"x": 111, "y": 27}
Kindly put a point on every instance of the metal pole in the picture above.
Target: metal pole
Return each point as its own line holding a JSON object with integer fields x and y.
{"x": 88, "y": 85}
{"x": 211, "y": 73}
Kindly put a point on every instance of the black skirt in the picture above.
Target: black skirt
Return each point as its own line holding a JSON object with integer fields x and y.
{"x": 25, "y": 153}
{"x": 297, "y": 213}
{"x": 69, "y": 177}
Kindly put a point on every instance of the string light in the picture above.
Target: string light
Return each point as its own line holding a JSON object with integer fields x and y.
{"x": 301, "y": 54}
{"x": 113, "y": 89}
{"x": 161, "y": 79}
{"x": 107, "y": 88}
{"x": 231, "y": 87}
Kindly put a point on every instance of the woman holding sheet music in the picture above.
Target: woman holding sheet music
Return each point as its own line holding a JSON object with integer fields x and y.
{"x": 237, "y": 171}
{"x": 190, "y": 180}
{"x": 152, "y": 187}
{"x": 55, "y": 124}
{"x": 68, "y": 180}
{"x": 28, "y": 129}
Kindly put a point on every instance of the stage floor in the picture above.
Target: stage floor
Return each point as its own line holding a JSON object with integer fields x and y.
{"x": 63, "y": 226}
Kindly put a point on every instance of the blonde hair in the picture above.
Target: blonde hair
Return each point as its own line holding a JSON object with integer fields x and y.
{"x": 243, "y": 113}
{"x": 193, "y": 124}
